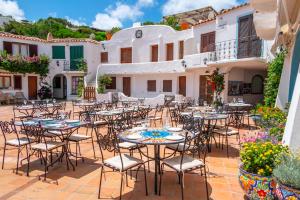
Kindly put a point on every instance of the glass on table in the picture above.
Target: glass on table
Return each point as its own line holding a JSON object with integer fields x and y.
{"x": 25, "y": 102}
{"x": 54, "y": 100}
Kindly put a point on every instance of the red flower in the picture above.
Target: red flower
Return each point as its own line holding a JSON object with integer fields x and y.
{"x": 261, "y": 193}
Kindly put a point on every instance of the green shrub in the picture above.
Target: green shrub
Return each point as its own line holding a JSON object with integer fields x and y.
{"x": 288, "y": 171}
{"x": 273, "y": 79}
{"x": 103, "y": 81}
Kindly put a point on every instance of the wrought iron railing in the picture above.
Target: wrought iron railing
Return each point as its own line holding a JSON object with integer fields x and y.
{"x": 246, "y": 47}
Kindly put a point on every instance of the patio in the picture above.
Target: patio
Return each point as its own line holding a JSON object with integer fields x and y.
{"x": 84, "y": 181}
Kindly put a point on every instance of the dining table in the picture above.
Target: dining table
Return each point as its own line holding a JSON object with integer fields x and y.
{"x": 155, "y": 137}
{"x": 65, "y": 128}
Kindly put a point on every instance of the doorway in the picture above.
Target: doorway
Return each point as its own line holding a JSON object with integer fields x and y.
{"x": 205, "y": 90}
{"x": 182, "y": 85}
{"x": 127, "y": 86}
{"x": 32, "y": 87}
{"x": 59, "y": 84}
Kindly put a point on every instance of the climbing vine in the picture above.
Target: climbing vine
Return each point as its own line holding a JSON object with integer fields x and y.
{"x": 217, "y": 83}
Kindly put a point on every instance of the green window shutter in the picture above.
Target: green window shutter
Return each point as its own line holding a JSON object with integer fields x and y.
{"x": 58, "y": 52}
{"x": 76, "y": 53}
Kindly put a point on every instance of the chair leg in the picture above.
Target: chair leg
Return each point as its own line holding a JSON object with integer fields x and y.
{"x": 226, "y": 138}
{"x": 148, "y": 157}
{"x": 28, "y": 160}
{"x": 93, "y": 144}
{"x": 4, "y": 149}
{"x": 18, "y": 161}
{"x": 76, "y": 144}
{"x": 160, "y": 180}
{"x": 122, "y": 175}
{"x": 146, "y": 187}
{"x": 206, "y": 187}
{"x": 100, "y": 182}
{"x": 181, "y": 185}
{"x": 45, "y": 176}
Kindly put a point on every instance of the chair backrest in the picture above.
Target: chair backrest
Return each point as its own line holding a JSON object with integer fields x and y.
{"x": 8, "y": 128}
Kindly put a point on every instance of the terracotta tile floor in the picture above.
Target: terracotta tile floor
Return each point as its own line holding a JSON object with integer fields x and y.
{"x": 83, "y": 182}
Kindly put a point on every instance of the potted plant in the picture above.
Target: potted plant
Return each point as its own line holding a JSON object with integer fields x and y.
{"x": 287, "y": 175}
{"x": 103, "y": 81}
{"x": 255, "y": 172}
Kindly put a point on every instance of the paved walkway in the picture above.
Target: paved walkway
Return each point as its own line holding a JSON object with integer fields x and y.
{"x": 83, "y": 182}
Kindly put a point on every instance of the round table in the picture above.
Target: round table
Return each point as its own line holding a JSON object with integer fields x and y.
{"x": 155, "y": 137}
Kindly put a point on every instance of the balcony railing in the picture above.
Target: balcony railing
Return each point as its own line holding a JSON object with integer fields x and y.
{"x": 246, "y": 47}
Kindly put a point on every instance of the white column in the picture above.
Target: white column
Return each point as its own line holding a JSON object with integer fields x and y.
{"x": 291, "y": 135}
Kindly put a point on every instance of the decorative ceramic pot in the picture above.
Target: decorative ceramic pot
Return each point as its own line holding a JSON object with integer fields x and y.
{"x": 284, "y": 192}
{"x": 256, "y": 186}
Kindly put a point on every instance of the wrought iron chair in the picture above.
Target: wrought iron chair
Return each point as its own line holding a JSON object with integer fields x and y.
{"x": 121, "y": 163}
{"x": 227, "y": 130}
{"x": 185, "y": 163}
{"x": 19, "y": 142}
{"x": 157, "y": 116}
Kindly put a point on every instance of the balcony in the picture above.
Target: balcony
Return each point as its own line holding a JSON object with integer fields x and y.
{"x": 247, "y": 51}
{"x": 71, "y": 66}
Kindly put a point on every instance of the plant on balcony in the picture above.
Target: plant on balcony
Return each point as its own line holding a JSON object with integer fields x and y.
{"x": 82, "y": 65}
{"x": 217, "y": 83}
{"x": 273, "y": 79}
{"x": 20, "y": 64}
{"x": 287, "y": 175}
{"x": 103, "y": 81}
{"x": 258, "y": 161}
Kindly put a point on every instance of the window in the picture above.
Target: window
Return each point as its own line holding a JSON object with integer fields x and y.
{"x": 151, "y": 85}
{"x": 181, "y": 49}
{"x": 57, "y": 82}
{"x": 113, "y": 84}
{"x": 126, "y": 55}
{"x": 104, "y": 57}
{"x": 15, "y": 48}
{"x": 169, "y": 51}
{"x": 154, "y": 53}
{"x": 76, "y": 81}
{"x": 208, "y": 42}
{"x": 18, "y": 82}
{"x": 5, "y": 82}
{"x": 257, "y": 84}
{"x": 167, "y": 85}
{"x": 58, "y": 52}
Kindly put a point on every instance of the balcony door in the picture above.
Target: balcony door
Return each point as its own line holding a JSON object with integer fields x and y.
{"x": 249, "y": 44}
{"x": 126, "y": 55}
{"x": 76, "y": 54}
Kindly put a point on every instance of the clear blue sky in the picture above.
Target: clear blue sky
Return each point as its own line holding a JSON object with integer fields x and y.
{"x": 105, "y": 13}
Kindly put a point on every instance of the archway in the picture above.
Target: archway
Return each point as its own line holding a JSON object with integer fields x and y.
{"x": 59, "y": 84}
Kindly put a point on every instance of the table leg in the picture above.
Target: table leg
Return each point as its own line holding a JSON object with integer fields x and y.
{"x": 157, "y": 167}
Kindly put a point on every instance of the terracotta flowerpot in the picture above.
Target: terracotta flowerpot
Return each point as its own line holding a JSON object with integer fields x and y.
{"x": 256, "y": 186}
{"x": 284, "y": 192}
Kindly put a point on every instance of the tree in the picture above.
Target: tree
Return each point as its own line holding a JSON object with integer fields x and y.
{"x": 173, "y": 22}
{"x": 148, "y": 23}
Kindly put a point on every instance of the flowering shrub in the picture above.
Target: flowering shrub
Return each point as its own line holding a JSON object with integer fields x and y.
{"x": 272, "y": 120}
{"x": 260, "y": 137}
{"x": 21, "y": 64}
{"x": 217, "y": 84}
{"x": 45, "y": 92}
{"x": 261, "y": 157}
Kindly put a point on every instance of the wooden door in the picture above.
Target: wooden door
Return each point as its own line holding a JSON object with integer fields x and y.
{"x": 170, "y": 51}
{"x": 249, "y": 45}
{"x": 154, "y": 53}
{"x": 32, "y": 87}
{"x": 208, "y": 42}
{"x": 181, "y": 49}
{"x": 182, "y": 85}
{"x": 127, "y": 86}
{"x": 126, "y": 55}
{"x": 205, "y": 90}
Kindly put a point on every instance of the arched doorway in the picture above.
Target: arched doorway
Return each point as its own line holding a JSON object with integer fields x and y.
{"x": 59, "y": 84}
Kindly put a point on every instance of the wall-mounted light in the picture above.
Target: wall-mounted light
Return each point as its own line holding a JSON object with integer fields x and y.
{"x": 205, "y": 61}
{"x": 57, "y": 63}
{"x": 103, "y": 46}
{"x": 183, "y": 63}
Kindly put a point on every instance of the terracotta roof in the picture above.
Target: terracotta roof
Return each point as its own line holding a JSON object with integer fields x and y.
{"x": 223, "y": 11}
{"x": 22, "y": 37}
{"x": 205, "y": 21}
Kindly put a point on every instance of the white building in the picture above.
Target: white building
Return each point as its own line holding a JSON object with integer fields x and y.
{"x": 280, "y": 20}
{"x": 147, "y": 61}
{"x": 150, "y": 60}
{"x": 63, "y": 74}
